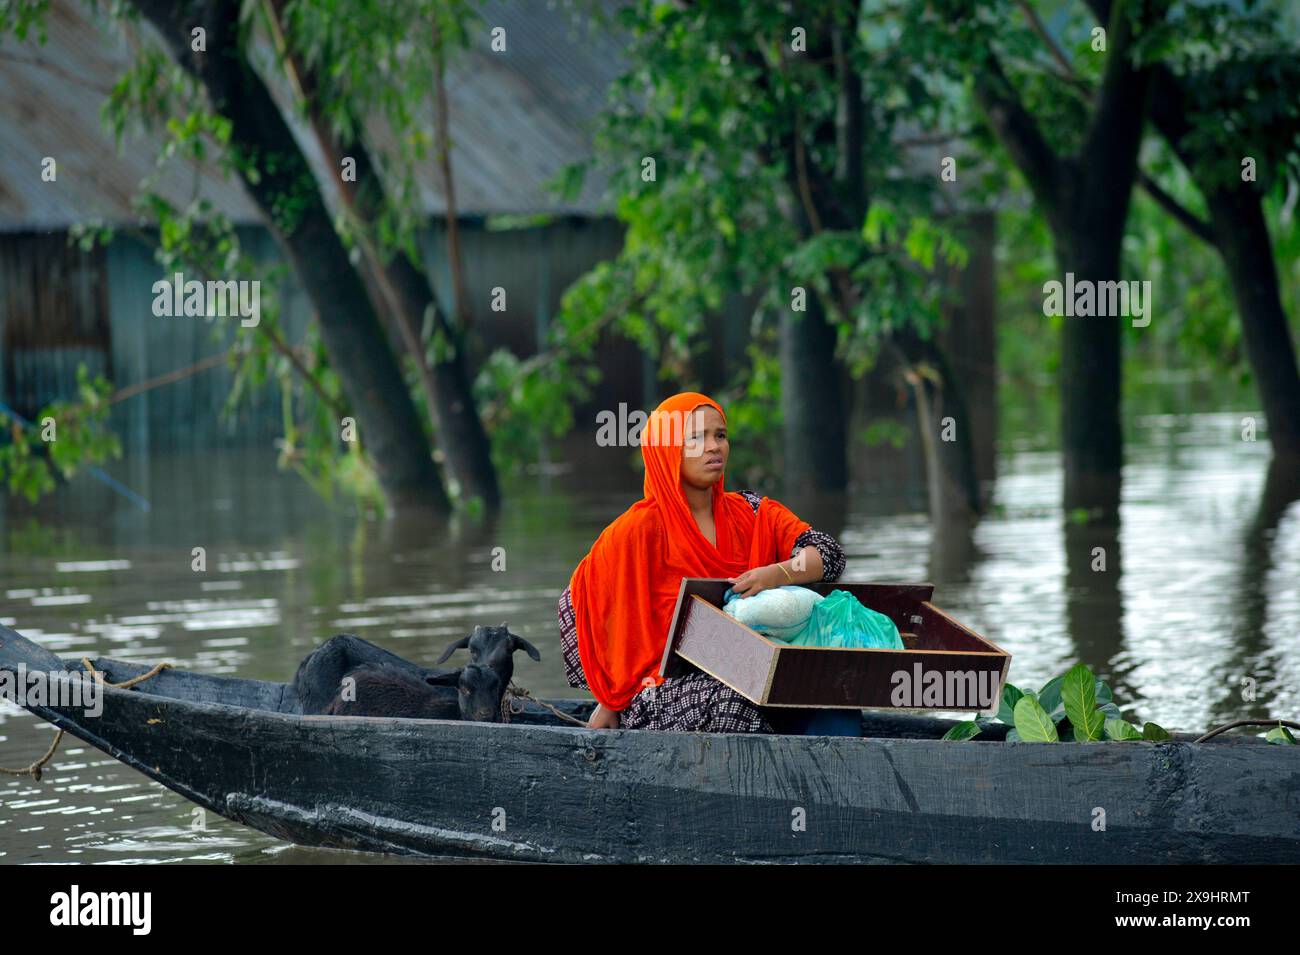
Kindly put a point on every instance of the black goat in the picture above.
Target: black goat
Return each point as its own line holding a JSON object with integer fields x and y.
{"x": 493, "y": 647}
{"x": 321, "y": 673}
{"x": 383, "y": 684}
{"x": 388, "y": 691}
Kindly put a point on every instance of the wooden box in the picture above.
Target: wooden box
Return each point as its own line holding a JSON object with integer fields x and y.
{"x": 943, "y": 665}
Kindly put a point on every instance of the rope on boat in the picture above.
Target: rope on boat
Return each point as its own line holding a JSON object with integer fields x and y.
{"x": 126, "y": 684}
{"x": 1235, "y": 723}
{"x": 514, "y": 692}
{"x": 34, "y": 770}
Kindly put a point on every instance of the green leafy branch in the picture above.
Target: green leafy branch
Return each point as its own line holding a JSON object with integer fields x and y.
{"x": 67, "y": 436}
{"x": 1073, "y": 707}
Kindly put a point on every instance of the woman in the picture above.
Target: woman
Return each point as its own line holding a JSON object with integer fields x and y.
{"x": 615, "y": 613}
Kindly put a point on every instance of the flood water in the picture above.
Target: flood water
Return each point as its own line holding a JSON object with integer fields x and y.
{"x": 1201, "y": 591}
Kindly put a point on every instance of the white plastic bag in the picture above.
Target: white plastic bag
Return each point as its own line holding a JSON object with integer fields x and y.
{"x": 781, "y": 613}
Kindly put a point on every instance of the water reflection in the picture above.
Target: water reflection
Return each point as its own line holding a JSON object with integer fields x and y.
{"x": 1254, "y": 662}
{"x": 953, "y": 552}
{"x": 1198, "y": 591}
{"x": 1094, "y": 603}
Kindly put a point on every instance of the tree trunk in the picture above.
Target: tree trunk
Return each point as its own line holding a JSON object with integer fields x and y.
{"x": 1085, "y": 199}
{"x": 815, "y": 424}
{"x": 1091, "y": 377}
{"x": 358, "y": 348}
{"x": 400, "y": 287}
{"x": 1241, "y": 235}
{"x": 812, "y": 405}
{"x": 946, "y": 435}
{"x": 968, "y": 339}
{"x": 461, "y": 436}
{"x": 1238, "y": 231}
{"x": 814, "y": 392}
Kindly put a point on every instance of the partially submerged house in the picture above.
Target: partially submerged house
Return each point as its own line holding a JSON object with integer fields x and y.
{"x": 517, "y": 117}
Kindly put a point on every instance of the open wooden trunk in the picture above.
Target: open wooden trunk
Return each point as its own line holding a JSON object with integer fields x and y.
{"x": 943, "y": 666}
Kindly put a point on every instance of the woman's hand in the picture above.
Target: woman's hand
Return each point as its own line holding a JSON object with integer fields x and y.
{"x": 757, "y": 580}
{"x": 602, "y": 718}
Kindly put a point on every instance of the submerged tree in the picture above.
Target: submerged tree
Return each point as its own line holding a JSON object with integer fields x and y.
{"x": 1218, "y": 82}
{"x": 1231, "y": 114}
{"x": 752, "y": 148}
{"x": 1079, "y": 157}
{"x": 348, "y": 231}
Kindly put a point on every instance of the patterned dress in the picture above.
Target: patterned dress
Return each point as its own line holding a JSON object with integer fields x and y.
{"x": 694, "y": 702}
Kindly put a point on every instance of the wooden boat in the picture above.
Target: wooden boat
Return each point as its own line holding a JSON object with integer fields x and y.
{"x": 542, "y": 791}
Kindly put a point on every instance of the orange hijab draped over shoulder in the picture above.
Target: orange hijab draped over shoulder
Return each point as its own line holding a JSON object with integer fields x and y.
{"x": 625, "y": 589}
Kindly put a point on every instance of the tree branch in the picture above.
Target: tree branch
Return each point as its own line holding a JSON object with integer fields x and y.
{"x": 1018, "y": 131}
{"x": 1110, "y": 144}
{"x": 1167, "y": 112}
{"x": 1192, "y": 222}
{"x": 1036, "y": 24}
{"x": 442, "y": 128}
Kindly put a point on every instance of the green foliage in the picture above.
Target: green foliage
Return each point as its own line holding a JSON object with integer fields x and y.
{"x": 525, "y": 402}
{"x": 884, "y": 431}
{"x": 1078, "y": 692}
{"x": 728, "y": 113}
{"x": 24, "y": 18}
{"x": 1240, "y": 64}
{"x": 29, "y": 462}
{"x": 1011, "y": 695}
{"x": 1191, "y": 355}
{"x": 753, "y": 403}
{"x": 1241, "y": 68}
{"x": 67, "y": 436}
{"x": 966, "y": 729}
{"x": 717, "y": 98}
{"x": 1118, "y": 729}
{"x": 200, "y": 240}
{"x": 1280, "y": 734}
{"x": 1075, "y": 706}
{"x": 1153, "y": 733}
{"x": 372, "y": 59}
{"x": 1032, "y": 722}
{"x": 23, "y": 471}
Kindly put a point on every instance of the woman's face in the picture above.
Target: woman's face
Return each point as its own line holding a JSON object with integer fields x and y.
{"x": 705, "y": 447}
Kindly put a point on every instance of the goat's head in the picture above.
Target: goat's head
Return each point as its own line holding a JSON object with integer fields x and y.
{"x": 478, "y": 694}
{"x": 493, "y": 647}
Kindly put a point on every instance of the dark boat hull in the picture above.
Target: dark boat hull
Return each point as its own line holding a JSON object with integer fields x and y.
{"x": 541, "y": 792}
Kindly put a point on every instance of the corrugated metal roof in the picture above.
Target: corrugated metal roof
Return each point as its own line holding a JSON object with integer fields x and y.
{"x": 517, "y": 117}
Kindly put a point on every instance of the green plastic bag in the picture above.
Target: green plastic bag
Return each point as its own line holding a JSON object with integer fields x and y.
{"x": 842, "y": 621}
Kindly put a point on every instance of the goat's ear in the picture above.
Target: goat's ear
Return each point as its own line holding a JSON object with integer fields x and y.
{"x": 442, "y": 677}
{"x": 519, "y": 643}
{"x": 460, "y": 644}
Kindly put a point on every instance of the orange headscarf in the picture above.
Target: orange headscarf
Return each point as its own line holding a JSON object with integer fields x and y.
{"x": 625, "y": 589}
